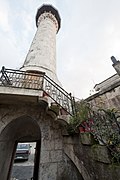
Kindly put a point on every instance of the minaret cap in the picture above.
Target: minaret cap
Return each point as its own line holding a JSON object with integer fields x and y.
{"x": 48, "y": 8}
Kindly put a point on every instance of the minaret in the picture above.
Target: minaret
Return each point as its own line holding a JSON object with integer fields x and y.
{"x": 41, "y": 57}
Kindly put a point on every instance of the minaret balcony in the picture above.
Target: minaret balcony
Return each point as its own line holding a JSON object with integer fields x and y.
{"x": 35, "y": 85}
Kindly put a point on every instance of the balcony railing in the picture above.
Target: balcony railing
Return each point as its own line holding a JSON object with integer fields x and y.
{"x": 26, "y": 80}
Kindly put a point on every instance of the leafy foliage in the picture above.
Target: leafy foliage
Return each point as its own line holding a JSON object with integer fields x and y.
{"x": 105, "y": 126}
{"x": 82, "y": 113}
{"x": 106, "y": 129}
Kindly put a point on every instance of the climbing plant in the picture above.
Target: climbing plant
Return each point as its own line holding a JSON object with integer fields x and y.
{"x": 103, "y": 124}
{"x": 82, "y": 114}
{"x": 106, "y": 129}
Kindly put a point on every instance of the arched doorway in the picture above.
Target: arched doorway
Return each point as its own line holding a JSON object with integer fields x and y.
{"x": 22, "y": 129}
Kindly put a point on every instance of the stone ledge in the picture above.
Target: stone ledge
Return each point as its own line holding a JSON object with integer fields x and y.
{"x": 70, "y": 139}
{"x": 87, "y": 139}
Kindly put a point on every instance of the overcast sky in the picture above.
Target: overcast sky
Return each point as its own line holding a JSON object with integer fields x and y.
{"x": 89, "y": 36}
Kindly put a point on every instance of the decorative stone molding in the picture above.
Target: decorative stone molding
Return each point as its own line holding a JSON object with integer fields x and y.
{"x": 49, "y": 16}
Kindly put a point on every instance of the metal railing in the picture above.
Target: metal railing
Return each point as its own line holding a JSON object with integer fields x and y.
{"x": 31, "y": 80}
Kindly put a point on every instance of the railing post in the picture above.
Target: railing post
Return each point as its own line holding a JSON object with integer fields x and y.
{"x": 6, "y": 78}
{"x": 43, "y": 79}
{"x": 3, "y": 69}
{"x": 73, "y": 105}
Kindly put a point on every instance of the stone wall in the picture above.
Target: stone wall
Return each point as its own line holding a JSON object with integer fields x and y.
{"x": 33, "y": 123}
{"x": 108, "y": 98}
{"x": 107, "y": 83}
{"x": 92, "y": 160}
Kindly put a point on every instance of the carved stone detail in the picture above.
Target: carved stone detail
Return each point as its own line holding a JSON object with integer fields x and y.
{"x": 50, "y": 16}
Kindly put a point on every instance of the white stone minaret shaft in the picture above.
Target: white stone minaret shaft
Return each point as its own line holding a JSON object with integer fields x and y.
{"x": 42, "y": 54}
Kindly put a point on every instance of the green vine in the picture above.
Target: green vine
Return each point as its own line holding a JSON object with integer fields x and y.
{"x": 105, "y": 126}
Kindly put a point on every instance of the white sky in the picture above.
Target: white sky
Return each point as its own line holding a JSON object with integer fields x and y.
{"x": 89, "y": 36}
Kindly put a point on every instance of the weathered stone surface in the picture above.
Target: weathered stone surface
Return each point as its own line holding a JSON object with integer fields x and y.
{"x": 70, "y": 140}
{"x": 53, "y": 146}
{"x": 48, "y": 145}
{"x": 42, "y": 53}
{"x": 69, "y": 151}
{"x": 100, "y": 153}
{"x": 56, "y": 156}
{"x": 108, "y": 99}
{"x": 103, "y": 86}
{"x": 58, "y": 144}
{"x": 87, "y": 139}
{"x": 67, "y": 170}
{"x": 92, "y": 164}
{"x": 48, "y": 171}
{"x": 45, "y": 156}
{"x": 56, "y": 133}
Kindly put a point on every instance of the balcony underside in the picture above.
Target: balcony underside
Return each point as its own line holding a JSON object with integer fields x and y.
{"x": 10, "y": 95}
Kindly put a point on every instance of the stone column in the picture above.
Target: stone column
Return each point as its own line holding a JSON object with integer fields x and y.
{"x": 42, "y": 54}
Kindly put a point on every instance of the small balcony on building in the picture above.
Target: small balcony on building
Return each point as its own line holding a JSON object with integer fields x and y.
{"x": 22, "y": 86}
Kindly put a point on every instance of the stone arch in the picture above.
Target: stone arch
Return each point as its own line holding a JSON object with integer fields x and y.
{"x": 21, "y": 129}
{"x": 68, "y": 149}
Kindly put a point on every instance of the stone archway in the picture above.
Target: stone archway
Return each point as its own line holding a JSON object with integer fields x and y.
{"x": 22, "y": 129}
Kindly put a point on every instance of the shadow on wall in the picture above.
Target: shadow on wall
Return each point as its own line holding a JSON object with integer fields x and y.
{"x": 70, "y": 172}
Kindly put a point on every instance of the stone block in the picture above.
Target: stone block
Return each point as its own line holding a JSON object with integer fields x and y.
{"x": 58, "y": 144}
{"x": 61, "y": 169}
{"x": 51, "y": 113}
{"x": 56, "y": 134}
{"x": 45, "y": 132}
{"x": 100, "y": 153}
{"x": 48, "y": 171}
{"x": 70, "y": 140}
{"x": 45, "y": 157}
{"x": 56, "y": 156}
{"x": 87, "y": 139}
{"x": 48, "y": 145}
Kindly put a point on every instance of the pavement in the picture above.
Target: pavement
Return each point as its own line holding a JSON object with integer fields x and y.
{"x": 23, "y": 170}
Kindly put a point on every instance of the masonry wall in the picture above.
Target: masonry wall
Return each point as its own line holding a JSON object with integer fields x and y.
{"x": 32, "y": 123}
{"x": 108, "y": 99}
{"x": 54, "y": 164}
{"x": 92, "y": 159}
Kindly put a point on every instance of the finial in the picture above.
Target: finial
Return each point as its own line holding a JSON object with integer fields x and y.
{"x": 114, "y": 60}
